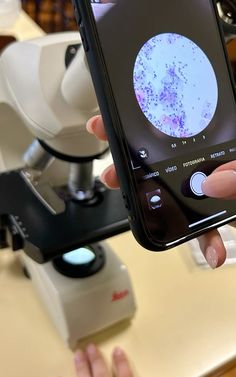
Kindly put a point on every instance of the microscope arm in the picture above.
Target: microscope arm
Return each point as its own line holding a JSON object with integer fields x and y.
{"x": 82, "y": 96}
{"x": 54, "y": 101}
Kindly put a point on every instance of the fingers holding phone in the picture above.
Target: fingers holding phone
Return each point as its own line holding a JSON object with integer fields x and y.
{"x": 221, "y": 183}
{"x": 164, "y": 96}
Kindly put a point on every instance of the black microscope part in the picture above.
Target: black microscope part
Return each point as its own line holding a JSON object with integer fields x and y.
{"x": 45, "y": 236}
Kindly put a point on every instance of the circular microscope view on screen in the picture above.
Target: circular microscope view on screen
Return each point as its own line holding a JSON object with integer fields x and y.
{"x": 175, "y": 85}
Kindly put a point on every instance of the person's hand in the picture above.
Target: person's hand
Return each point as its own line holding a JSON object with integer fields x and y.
{"x": 220, "y": 184}
{"x": 91, "y": 363}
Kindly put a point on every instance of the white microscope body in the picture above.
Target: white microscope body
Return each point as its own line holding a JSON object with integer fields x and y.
{"x": 80, "y": 307}
{"x": 54, "y": 104}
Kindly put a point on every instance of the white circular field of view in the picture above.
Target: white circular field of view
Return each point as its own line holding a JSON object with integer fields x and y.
{"x": 175, "y": 85}
{"x": 79, "y": 256}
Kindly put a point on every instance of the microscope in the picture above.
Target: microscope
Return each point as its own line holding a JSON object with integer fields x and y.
{"x": 51, "y": 204}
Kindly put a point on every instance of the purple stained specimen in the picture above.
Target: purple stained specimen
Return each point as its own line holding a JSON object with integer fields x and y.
{"x": 175, "y": 85}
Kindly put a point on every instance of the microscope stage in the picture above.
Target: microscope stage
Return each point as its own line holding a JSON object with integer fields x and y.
{"x": 44, "y": 235}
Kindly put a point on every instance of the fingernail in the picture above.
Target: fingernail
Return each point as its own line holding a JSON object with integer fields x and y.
{"x": 109, "y": 176}
{"x": 118, "y": 353}
{"x": 79, "y": 357}
{"x": 92, "y": 350}
{"x": 211, "y": 257}
{"x": 220, "y": 184}
{"x": 104, "y": 176}
{"x": 91, "y": 124}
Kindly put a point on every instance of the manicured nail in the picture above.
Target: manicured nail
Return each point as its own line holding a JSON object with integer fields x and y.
{"x": 118, "y": 353}
{"x": 221, "y": 184}
{"x": 109, "y": 179}
{"x": 92, "y": 350}
{"x": 211, "y": 257}
{"x": 79, "y": 357}
{"x": 104, "y": 176}
{"x": 91, "y": 124}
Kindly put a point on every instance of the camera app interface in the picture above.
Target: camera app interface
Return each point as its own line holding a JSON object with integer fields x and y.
{"x": 175, "y": 98}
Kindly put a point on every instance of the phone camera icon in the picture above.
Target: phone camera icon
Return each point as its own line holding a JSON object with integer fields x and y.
{"x": 154, "y": 199}
{"x": 143, "y": 153}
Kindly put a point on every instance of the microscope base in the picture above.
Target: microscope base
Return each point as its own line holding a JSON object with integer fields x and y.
{"x": 80, "y": 307}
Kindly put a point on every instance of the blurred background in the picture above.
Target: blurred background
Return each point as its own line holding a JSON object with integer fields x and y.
{"x": 51, "y": 15}
{"x": 57, "y": 15}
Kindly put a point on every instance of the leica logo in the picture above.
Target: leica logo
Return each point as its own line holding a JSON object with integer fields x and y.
{"x": 116, "y": 296}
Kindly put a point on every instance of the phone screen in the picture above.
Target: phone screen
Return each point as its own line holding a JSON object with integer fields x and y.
{"x": 176, "y": 103}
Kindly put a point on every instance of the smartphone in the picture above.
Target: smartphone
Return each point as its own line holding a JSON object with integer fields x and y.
{"x": 166, "y": 94}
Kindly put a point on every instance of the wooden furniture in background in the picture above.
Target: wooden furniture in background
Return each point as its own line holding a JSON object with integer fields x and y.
{"x": 51, "y": 15}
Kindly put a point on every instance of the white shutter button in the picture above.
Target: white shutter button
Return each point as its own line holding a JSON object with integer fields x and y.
{"x": 196, "y": 183}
